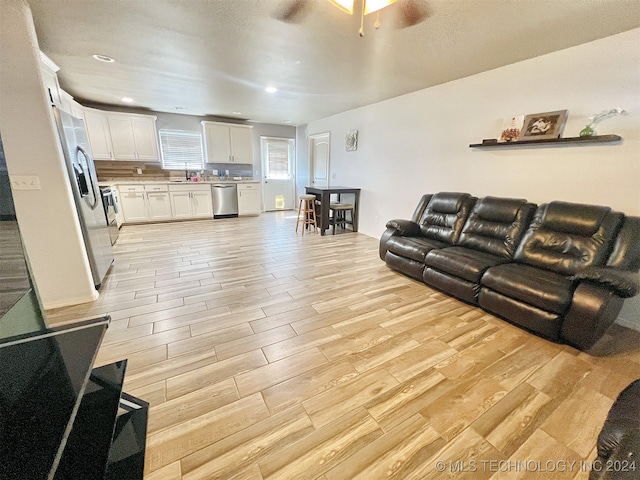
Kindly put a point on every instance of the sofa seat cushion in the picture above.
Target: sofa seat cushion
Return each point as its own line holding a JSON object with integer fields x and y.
{"x": 543, "y": 289}
{"x": 462, "y": 262}
{"x": 415, "y": 248}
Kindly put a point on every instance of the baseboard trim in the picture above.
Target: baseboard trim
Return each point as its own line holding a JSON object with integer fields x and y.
{"x": 629, "y": 323}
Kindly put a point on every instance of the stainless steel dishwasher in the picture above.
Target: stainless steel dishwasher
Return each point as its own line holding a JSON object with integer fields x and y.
{"x": 225, "y": 200}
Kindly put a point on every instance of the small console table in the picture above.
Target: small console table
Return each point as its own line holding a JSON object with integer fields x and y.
{"x": 62, "y": 419}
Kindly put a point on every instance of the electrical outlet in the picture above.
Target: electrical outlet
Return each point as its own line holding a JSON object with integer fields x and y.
{"x": 333, "y": 176}
{"x": 25, "y": 182}
{"x": 139, "y": 170}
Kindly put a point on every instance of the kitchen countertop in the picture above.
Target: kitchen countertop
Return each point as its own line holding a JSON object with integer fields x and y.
{"x": 109, "y": 183}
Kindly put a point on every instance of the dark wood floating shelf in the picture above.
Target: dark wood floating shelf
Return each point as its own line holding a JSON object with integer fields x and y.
{"x": 576, "y": 140}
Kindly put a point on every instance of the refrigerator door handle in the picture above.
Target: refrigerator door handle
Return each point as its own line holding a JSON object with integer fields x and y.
{"x": 81, "y": 180}
{"x": 93, "y": 187}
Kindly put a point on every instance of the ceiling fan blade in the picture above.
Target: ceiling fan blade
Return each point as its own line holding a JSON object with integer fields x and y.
{"x": 412, "y": 12}
{"x": 292, "y": 11}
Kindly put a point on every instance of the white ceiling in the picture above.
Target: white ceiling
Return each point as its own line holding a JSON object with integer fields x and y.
{"x": 215, "y": 57}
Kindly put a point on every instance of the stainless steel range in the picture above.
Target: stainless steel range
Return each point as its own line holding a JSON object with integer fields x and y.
{"x": 110, "y": 203}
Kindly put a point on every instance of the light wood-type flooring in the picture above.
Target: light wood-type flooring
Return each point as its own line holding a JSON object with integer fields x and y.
{"x": 266, "y": 354}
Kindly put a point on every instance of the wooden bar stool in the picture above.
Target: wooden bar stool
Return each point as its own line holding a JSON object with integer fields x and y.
{"x": 307, "y": 208}
{"x": 339, "y": 215}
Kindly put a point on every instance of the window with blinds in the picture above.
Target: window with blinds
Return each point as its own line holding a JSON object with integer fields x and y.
{"x": 181, "y": 150}
{"x": 277, "y": 153}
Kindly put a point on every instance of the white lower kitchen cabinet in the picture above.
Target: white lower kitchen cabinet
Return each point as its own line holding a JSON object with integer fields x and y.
{"x": 249, "y": 199}
{"x": 133, "y": 201}
{"x": 159, "y": 203}
{"x": 191, "y": 201}
{"x": 181, "y": 204}
{"x": 202, "y": 203}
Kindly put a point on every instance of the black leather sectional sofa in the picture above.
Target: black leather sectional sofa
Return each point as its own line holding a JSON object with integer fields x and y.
{"x": 561, "y": 270}
{"x": 619, "y": 439}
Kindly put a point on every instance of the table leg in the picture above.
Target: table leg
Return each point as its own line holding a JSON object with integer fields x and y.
{"x": 324, "y": 217}
{"x": 355, "y": 211}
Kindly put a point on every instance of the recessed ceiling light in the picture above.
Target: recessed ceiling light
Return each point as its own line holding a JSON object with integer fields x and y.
{"x": 271, "y": 89}
{"x": 237, "y": 113}
{"x": 180, "y": 109}
{"x": 286, "y": 121}
{"x": 103, "y": 58}
{"x": 127, "y": 99}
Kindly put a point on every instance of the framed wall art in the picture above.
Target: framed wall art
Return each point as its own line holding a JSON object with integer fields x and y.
{"x": 351, "y": 141}
{"x": 538, "y": 126}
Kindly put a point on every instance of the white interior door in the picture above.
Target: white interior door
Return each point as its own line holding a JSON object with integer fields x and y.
{"x": 278, "y": 159}
{"x": 319, "y": 157}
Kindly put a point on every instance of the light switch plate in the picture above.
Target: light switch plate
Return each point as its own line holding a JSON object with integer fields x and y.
{"x": 25, "y": 182}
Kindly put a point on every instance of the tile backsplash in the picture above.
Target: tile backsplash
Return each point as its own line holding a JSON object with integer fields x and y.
{"x": 119, "y": 170}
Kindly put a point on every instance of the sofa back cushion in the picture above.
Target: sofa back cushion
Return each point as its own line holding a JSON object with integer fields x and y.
{"x": 567, "y": 237}
{"x": 422, "y": 204}
{"x": 626, "y": 249}
{"x": 496, "y": 225}
{"x": 445, "y": 215}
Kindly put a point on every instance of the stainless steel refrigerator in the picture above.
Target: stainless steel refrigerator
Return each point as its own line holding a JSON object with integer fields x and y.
{"x": 88, "y": 199}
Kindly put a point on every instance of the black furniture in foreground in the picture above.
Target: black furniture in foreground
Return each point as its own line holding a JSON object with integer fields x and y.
{"x": 60, "y": 418}
{"x": 619, "y": 440}
{"x": 323, "y": 194}
{"x": 561, "y": 270}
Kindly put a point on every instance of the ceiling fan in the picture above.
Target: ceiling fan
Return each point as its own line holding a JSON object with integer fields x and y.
{"x": 408, "y": 12}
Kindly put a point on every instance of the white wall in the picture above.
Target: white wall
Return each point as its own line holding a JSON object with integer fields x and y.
{"x": 47, "y": 217}
{"x": 419, "y": 143}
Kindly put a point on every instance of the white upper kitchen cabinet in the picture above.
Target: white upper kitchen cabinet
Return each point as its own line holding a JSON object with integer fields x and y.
{"x": 228, "y": 143}
{"x": 49, "y": 70}
{"x": 98, "y": 133}
{"x": 133, "y": 136}
{"x": 70, "y": 106}
{"x": 124, "y": 146}
{"x": 146, "y": 138}
{"x": 122, "y": 136}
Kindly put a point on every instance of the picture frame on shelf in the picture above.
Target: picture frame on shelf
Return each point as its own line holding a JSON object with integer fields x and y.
{"x": 546, "y": 125}
{"x": 511, "y": 128}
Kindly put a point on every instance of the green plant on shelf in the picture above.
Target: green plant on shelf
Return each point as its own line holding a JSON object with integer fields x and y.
{"x": 589, "y": 130}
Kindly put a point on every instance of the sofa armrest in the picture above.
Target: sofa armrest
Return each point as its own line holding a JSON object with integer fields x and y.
{"x": 406, "y": 228}
{"x": 624, "y": 283}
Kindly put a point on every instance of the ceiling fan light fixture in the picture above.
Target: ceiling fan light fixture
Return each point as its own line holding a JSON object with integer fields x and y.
{"x": 344, "y": 5}
{"x": 371, "y": 6}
